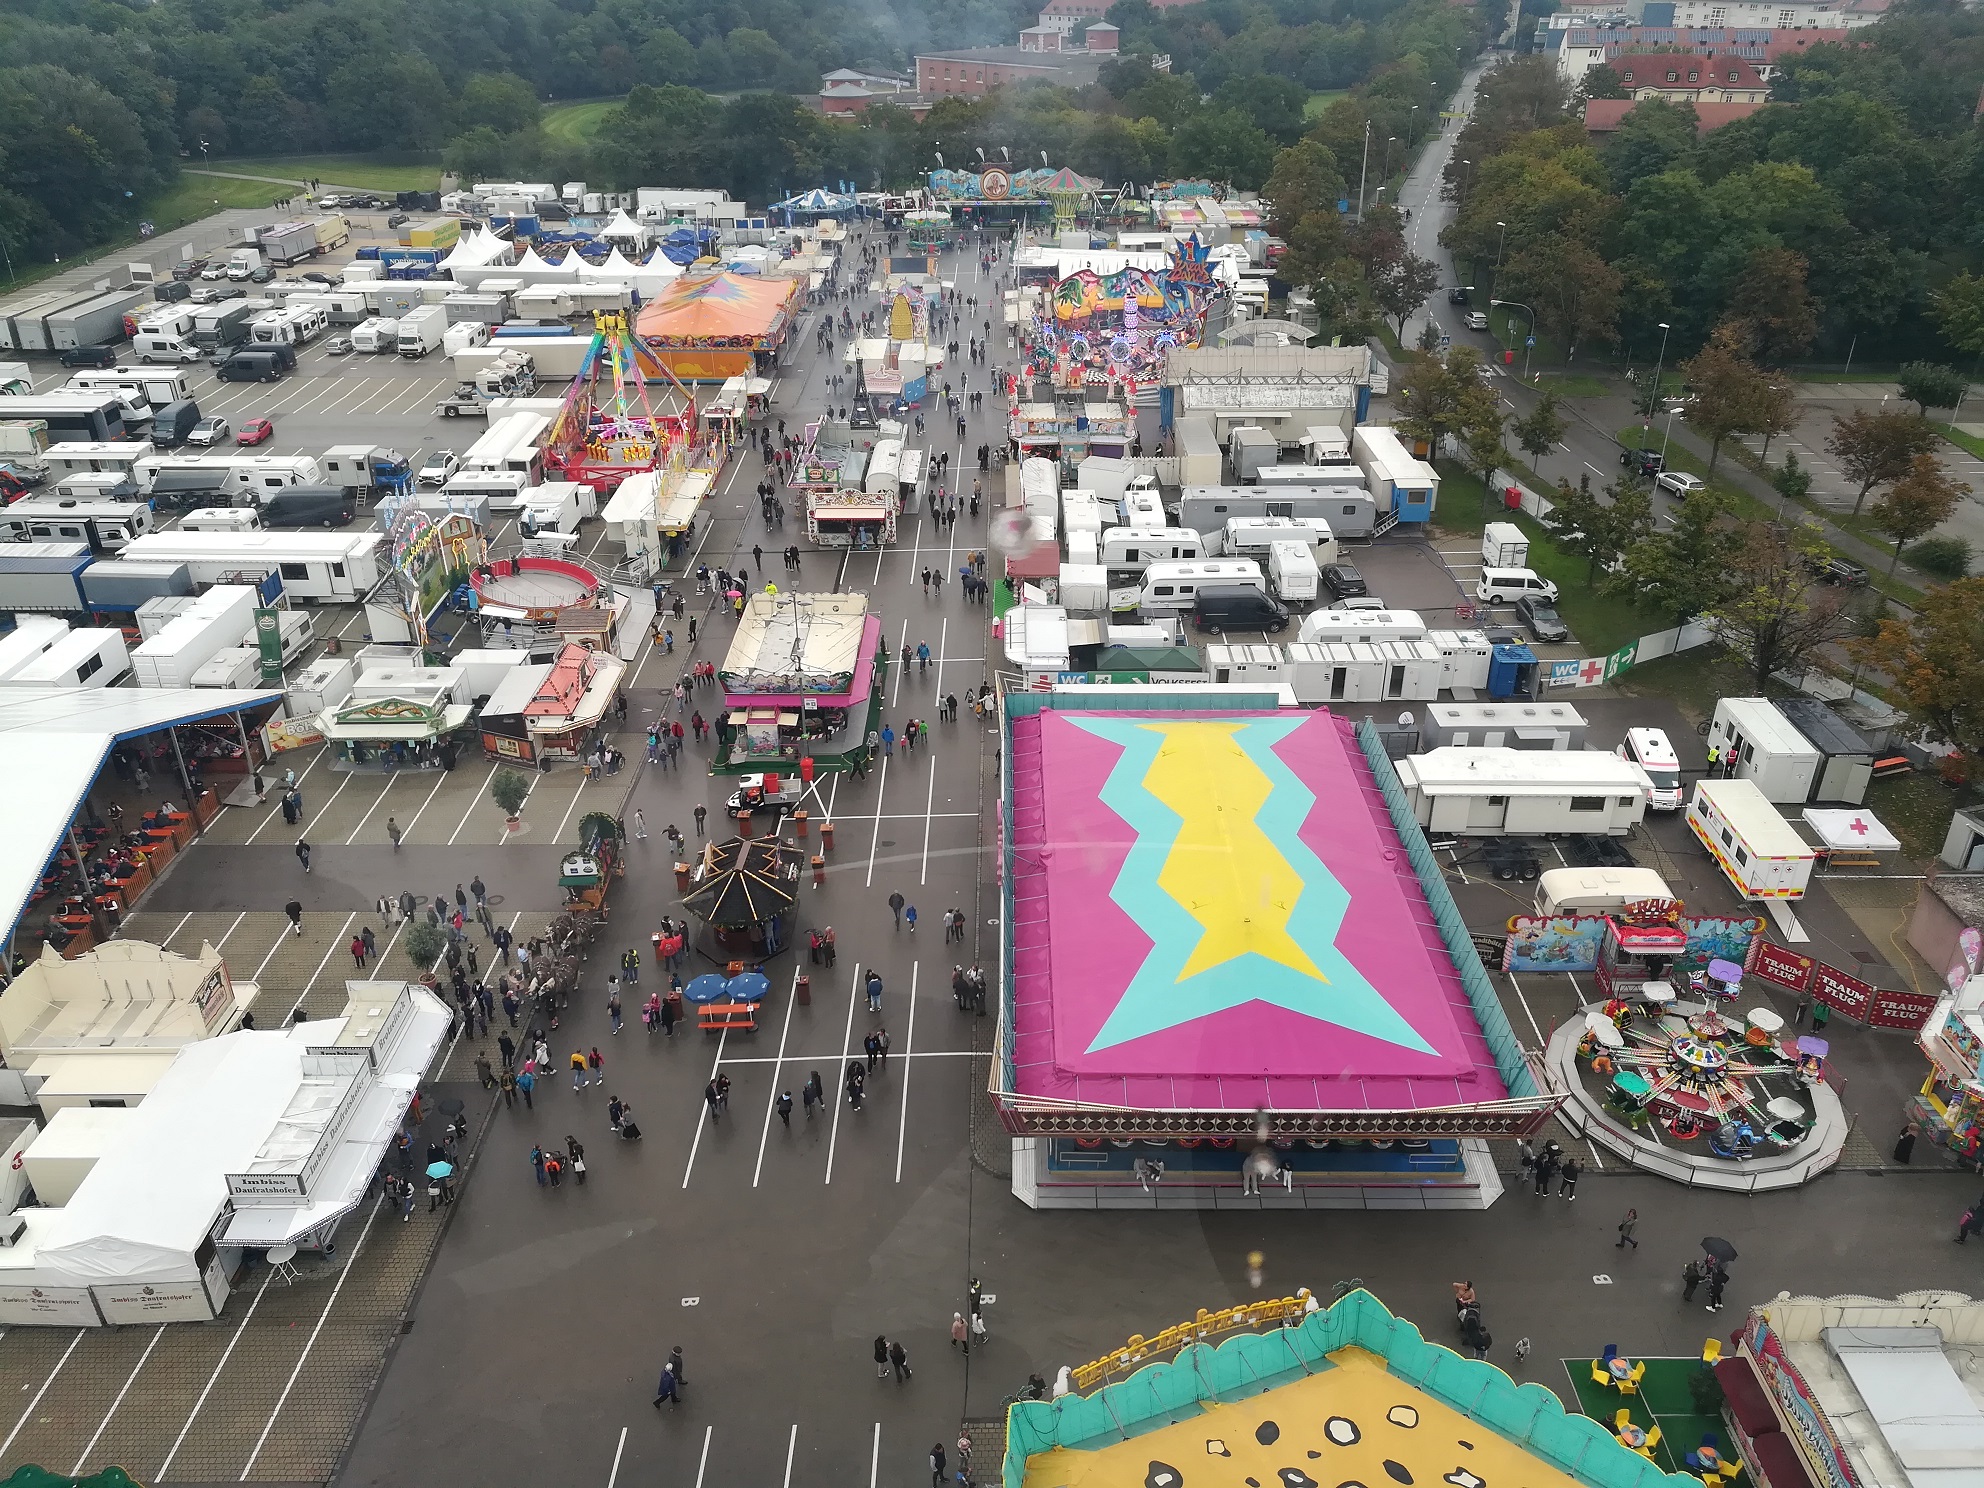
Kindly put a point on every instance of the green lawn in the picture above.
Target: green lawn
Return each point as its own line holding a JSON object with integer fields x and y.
{"x": 1866, "y": 374}
{"x": 575, "y": 123}
{"x": 1968, "y": 442}
{"x": 360, "y": 171}
{"x": 1571, "y": 384}
{"x": 1313, "y": 109}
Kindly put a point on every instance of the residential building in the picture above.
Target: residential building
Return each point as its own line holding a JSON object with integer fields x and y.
{"x": 846, "y": 92}
{"x": 1579, "y": 48}
{"x": 1675, "y": 76}
{"x": 972, "y": 72}
{"x": 1602, "y": 115}
{"x": 1779, "y": 15}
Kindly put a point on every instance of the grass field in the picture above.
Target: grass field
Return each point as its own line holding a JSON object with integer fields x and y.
{"x": 575, "y": 123}
{"x": 1664, "y": 1400}
{"x": 1319, "y": 101}
{"x": 338, "y": 170}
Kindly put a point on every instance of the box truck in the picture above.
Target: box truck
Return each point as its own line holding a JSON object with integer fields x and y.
{"x": 31, "y": 635}
{"x": 221, "y": 618}
{"x": 22, "y": 438}
{"x": 115, "y": 584}
{"x": 216, "y": 327}
{"x": 94, "y": 322}
{"x": 422, "y": 331}
{"x": 44, "y": 576}
{"x": 15, "y": 379}
{"x": 1504, "y": 545}
{"x": 1756, "y": 848}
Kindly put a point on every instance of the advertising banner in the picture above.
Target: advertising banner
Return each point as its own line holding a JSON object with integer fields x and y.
{"x": 1786, "y": 968}
{"x": 1842, "y": 993}
{"x": 268, "y": 641}
{"x": 160, "y": 1302}
{"x": 1892, "y": 1009}
{"x": 61, "y": 1307}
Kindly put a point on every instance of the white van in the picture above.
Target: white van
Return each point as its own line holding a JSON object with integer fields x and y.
{"x": 1139, "y": 547}
{"x": 1575, "y": 891}
{"x": 1292, "y": 567}
{"x": 1249, "y": 537}
{"x": 158, "y": 346}
{"x": 1142, "y": 508}
{"x": 1507, "y": 585}
{"x": 1649, "y": 749}
{"x": 1172, "y": 586}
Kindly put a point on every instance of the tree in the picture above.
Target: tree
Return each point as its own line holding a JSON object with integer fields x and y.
{"x": 1775, "y": 615}
{"x": 502, "y": 101}
{"x": 1916, "y": 505}
{"x": 1654, "y": 136}
{"x": 1771, "y": 306}
{"x": 1776, "y": 410}
{"x": 424, "y": 944}
{"x": 1726, "y": 391}
{"x": 509, "y": 790}
{"x": 1481, "y": 439}
{"x": 1602, "y": 80}
{"x": 1538, "y": 431}
{"x": 1684, "y": 568}
{"x": 1936, "y": 661}
{"x": 1399, "y": 279}
{"x": 1274, "y": 104}
{"x": 1928, "y": 386}
{"x": 1305, "y": 179}
{"x": 1222, "y": 145}
{"x": 1436, "y": 398}
{"x": 1575, "y": 291}
{"x": 1601, "y": 532}
{"x": 1960, "y": 313}
{"x": 1873, "y": 447}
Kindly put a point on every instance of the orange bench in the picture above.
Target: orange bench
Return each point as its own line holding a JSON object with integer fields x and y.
{"x": 714, "y": 1017}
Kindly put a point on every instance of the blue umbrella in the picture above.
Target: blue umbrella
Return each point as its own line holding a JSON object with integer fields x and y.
{"x": 749, "y": 986}
{"x": 439, "y": 1169}
{"x": 706, "y": 988}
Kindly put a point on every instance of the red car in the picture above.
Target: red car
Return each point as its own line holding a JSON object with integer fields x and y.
{"x": 255, "y": 431}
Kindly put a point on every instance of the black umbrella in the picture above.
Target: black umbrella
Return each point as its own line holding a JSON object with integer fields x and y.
{"x": 1721, "y": 1249}
{"x": 451, "y": 1107}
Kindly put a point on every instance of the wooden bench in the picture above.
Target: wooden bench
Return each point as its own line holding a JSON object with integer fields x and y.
{"x": 1893, "y": 764}
{"x": 715, "y": 1017}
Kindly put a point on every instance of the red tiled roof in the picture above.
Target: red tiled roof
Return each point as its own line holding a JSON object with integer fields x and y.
{"x": 1602, "y": 115}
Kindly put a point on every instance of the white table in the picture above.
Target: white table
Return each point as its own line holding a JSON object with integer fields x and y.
{"x": 1658, "y": 993}
{"x": 1784, "y": 1108}
{"x": 282, "y": 1265}
{"x": 1765, "y": 1019}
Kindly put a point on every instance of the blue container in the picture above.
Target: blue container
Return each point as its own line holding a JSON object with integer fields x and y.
{"x": 1512, "y": 673}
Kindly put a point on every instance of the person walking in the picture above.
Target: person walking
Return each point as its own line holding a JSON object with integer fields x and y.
{"x": 828, "y": 945}
{"x": 814, "y": 1094}
{"x": 1546, "y": 1167}
{"x": 1971, "y": 1223}
{"x": 1717, "y": 1280}
{"x": 896, "y": 902}
{"x": 874, "y": 989}
{"x": 960, "y": 1332}
{"x": 578, "y": 1069}
{"x": 881, "y": 1353}
{"x": 710, "y": 1099}
{"x": 485, "y": 1072}
{"x": 393, "y": 831}
{"x": 371, "y": 942}
{"x": 507, "y": 1047}
{"x": 294, "y": 909}
{"x": 701, "y": 812}
{"x": 1691, "y": 1277}
{"x": 526, "y": 1083}
{"x": 783, "y": 1105}
{"x": 613, "y": 1008}
{"x": 937, "y": 1466}
{"x": 667, "y": 1389}
{"x": 909, "y": 917}
{"x": 358, "y": 952}
{"x": 1567, "y": 1179}
{"x": 508, "y": 1081}
{"x": 537, "y": 1162}
{"x": 1626, "y": 1227}
{"x": 899, "y": 1361}
{"x": 640, "y": 824}
{"x": 303, "y": 854}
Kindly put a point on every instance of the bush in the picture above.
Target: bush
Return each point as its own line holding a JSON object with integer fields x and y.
{"x": 508, "y": 790}
{"x": 424, "y": 944}
{"x": 1706, "y": 1391}
{"x": 1941, "y": 557}
{"x": 1792, "y": 479}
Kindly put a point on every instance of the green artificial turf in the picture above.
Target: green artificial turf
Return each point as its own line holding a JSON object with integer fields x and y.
{"x": 1664, "y": 1401}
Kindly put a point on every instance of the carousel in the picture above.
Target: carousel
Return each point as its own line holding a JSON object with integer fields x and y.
{"x": 743, "y": 890}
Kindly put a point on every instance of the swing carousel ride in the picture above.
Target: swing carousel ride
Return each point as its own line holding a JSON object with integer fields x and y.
{"x": 1117, "y": 328}
{"x": 608, "y": 429}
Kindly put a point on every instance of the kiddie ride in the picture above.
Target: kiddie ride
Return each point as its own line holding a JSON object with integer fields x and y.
{"x": 608, "y": 430}
{"x": 587, "y": 873}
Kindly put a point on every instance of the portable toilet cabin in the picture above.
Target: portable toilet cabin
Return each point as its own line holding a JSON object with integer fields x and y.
{"x": 1513, "y": 672}
{"x": 1265, "y": 664}
{"x": 1412, "y": 670}
{"x": 1466, "y": 653}
{"x": 1846, "y": 759}
{"x": 1336, "y": 672}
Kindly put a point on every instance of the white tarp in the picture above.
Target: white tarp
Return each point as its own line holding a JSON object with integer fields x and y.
{"x": 1851, "y": 831}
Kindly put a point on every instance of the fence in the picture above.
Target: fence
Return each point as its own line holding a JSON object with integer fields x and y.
{"x": 1855, "y": 1000}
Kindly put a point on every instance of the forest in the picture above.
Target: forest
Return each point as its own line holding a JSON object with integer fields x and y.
{"x": 102, "y": 102}
{"x": 1837, "y": 221}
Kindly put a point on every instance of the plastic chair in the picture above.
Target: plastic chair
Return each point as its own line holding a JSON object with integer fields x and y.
{"x": 1611, "y": 1353}
{"x": 1711, "y": 1351}
{"x": 1600, "y": 1375}
{"x": 1731, "y": 1468}
{"x": 1623, "y": 1418}
{"x": 1652, "y": 1441}
{"x": 1630, "y": 1385}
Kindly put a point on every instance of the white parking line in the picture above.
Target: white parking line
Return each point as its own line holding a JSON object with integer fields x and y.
{"x": 322, "y": 1318}
{"x": 835, "y": 1092}
{"x": 439, "y": 776}
{"x": 77, "y": 1470}
{"x": 275, "y": 806}
{"x": 908, "y": 1048}
{"x": 614, "y": 1476}
{"x": 703, "y": 1111}
{"x": 475, "y": 802}
{"x": 771, "y": 1097}
{"x": 791, "y": 1446}
{"x": 704, "y": 1460}
{"x": 338, "y": 943}
{"x": 36, "y": 1402}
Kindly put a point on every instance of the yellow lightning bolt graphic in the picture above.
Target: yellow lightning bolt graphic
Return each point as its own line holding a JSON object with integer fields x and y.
{"x": 1223, "y": 869}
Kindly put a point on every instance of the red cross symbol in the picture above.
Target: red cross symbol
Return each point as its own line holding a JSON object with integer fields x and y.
{"x": 1857, "y": 825}
{"x": 1592, "y": 672}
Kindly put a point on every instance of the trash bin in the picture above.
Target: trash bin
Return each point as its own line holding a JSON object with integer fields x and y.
{"x": 743, "y": 824}
{"x": 819, "y": 871}
{"x": 803, "y": 991}
{"x": 799, "y": 820}
{"x": 681, "y": 887}
{"x": 826, "y": 836}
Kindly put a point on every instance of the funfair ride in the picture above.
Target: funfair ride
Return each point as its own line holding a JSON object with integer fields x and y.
{"x": 608, "y": 428}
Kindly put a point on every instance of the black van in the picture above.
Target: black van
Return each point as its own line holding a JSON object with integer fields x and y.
{"x": 310, "y": 506}
{"x": 259, "y": 365}
{"x": 174, "y": 422}
{"x": 1223, "y": 607}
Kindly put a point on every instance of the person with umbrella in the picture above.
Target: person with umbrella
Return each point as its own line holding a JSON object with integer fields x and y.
{"x": 438, "y": 1190}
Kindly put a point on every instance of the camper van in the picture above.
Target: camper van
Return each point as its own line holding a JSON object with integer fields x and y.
{"x": 1328, "y": 627}
{"x": 1143, "y": 509}
{"x": 1293, "y": 572}
{"x": 1750, "y": 841}
{"x": 1137, "y": 548}
{"x": 1480, "y": 792}
{"x": 1172, "y": 585}
{"x": 221, "y": 519}
{"x": 504, "y": 490}
{"x": 1650, "y": 750}
{"x": 107, "y": 526}
{"x": 81, "y": 457}
{"x": 1593, "y": 891}
{"x": 1350, "y": 511}
{"x": 1248, "y": 537}
{"x": 337, "y": 567}
{"x": 82, "y": 658}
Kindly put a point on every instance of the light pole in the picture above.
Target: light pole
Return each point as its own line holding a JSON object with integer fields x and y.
{"x": 1386, "y": 173}
{"x": 1466, "y": 181}
{"x": 1529, "y": 341}
{"x": 1665, "y": 435}
{"x": 1500, "y": 244}
{"x": 1364, "y": 170}
{"x": 1412, "y": 121}
{"x": 1659, "y": 363}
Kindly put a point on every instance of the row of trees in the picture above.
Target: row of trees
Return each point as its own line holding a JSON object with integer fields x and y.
{"x": 1828, "y": 221}
{"x": 99, "y": 104}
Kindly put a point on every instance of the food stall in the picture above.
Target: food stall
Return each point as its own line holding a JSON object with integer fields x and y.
{"x": 1949, "y": 1108}
{"x": 389, "y": 734}
{"x": 803, "y": 677}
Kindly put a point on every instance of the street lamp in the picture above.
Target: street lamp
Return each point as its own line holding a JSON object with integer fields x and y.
{"x": 1465, "y": 182}
{"x": 1386, "y": 173}
{"x": 1529, "y": 341}
{"x": 1412, "y": 120}
{"x": 1659, "y": 363}
{"x": 1500, "y": 243}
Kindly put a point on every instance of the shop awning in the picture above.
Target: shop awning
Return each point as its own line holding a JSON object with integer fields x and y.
{"x": 850, "y": 514}
{"x": 1658, "y": 940}
{"x": 385, "y": 731}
